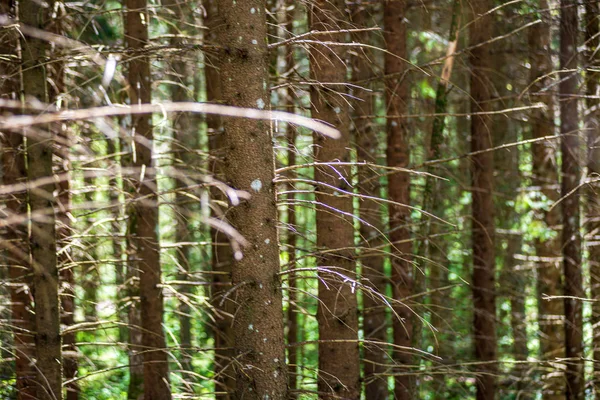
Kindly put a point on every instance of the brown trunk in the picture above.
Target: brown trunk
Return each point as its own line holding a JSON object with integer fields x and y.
{"x": 337, "y": 314}
{"x": 291, "y": 234}
{"x": 15, "y": 240}
{"x": 398, "y": 155}
{"x": 186, "y": 140}
{"x": 371, "y": 227}
{"x": 132, "y": 285}
{"x": 144, "y": 211}
{"x": 545, "y": 176}
{"x": 482, "y": 174}
{"x": 56, "y": 71}
{"x": 435, "y": 191}
{"x": 41, "y": 206}
{"x": 571, "y": 174}
{"x": 592, "y": 126}
{"x": 249, "y": 165}
{"x": 222, "y": 256}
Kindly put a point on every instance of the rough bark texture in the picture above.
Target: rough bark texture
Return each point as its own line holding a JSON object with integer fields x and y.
{"x": 545, "y": 176}
{"x": 571, "y": 174}
{"x": 337, "y": 313}
{"x": 222, "y": 256}
{"x": 397, "y": 95}
{"x": 41, "y": 205}
{"x": 15, "y": 241}
{"x": 371, "y": 227}
{"x": 249, "y": 165}
{"x": 144, "y": 211}
{"x": 482, "y": 175}
{"x": 592, "y": 126}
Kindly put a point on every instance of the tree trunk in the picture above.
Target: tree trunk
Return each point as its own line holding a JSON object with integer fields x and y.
{"x": 41, "y": 206}
{"x": 371, "y": 227}
{"x": 56, "y": 93}
{"x": 222, "y": 256}
{"x": 398, "y": 155}
{"x": 15, "y": 240}
{"x": 293, "y": 310}
{"x": 249, "y": 165}
{"x": 186, "y": 141}
{"x": 435, "y": 191}
{"x": 592, "y": 126}
{"x": 144, "y": 211}
{"x": 337, "y": 313}
{"x": 545, "y": 176}
{"x": 571, "y": 174}
{"x": 482, "y": 175}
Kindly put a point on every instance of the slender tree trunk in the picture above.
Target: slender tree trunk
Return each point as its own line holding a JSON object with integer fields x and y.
{"x": 545, "y": 176}
{"x": 434, "y": 194}
{"x": 144, "y": 211}
{"x": 592, "y": 126}
{"x": 89, "y": 269}
{"x": 482, "y": 170}
{"x": 571, "y": 174}
{"x": 41, "y": 206}
{"x": 397, "y": 94}
{"x": 249, "y": 165}
{"x": 372, "y": 227}
{"x": 16, "y": 242}
{"x": 291, "y": 236}
{"x": 222, "y": 256}
{"x": 56, "y": 92}
{"x": 186, "y": 140}
{"x": 337, "y": 314}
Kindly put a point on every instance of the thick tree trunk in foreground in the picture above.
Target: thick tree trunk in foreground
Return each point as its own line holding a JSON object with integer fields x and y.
{"x": 41, "y": 205}
{"x": 571, "y": 174}
{"x": 371, "y": 227}
{"x": 545, "y": 176}
{"x": 249, "y": 165}
{"x": 592, "y": 126}
{"x": 144, "y": 211}
{"x": 222, "y": 255}
{"x": 16, "y": 242}
{"x": 482, "y": 171}
{"x": 397, "y": 94}
{"x": 337, "y": 313}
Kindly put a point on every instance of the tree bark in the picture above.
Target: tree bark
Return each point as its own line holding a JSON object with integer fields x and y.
{"x": 482, "y": 175}
{"x": 16, "y": 242}
{"x": 571, "y": 174}
{"x": 372, "y": 226}
{"x": 398, "y": 155}
{"x": 41, "y": 205}
{"x": 249, "y": 165}
{"x": 592, "y": 126}
{"x": 144, "y": 210}
{"x": 337, "y": 313}
{"x": 222, "y": 256}
{"x": 545, "y": 176}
